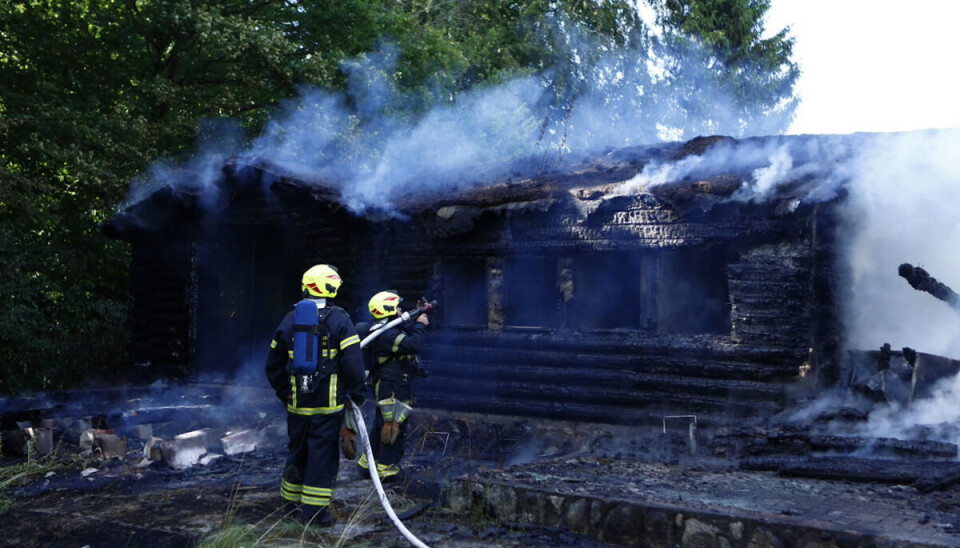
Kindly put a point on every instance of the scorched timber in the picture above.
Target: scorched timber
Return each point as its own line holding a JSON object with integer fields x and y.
{"x": 668, "y": 363}
{"x": 722, "y": 309}
{"x": 804, "y": 443}
{"x": 703, "y": 359}
{"x": 870, "y": 470}
{"x": 920, "y": 280}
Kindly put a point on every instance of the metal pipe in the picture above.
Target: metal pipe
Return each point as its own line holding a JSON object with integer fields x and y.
{"x": 692, "y": 429}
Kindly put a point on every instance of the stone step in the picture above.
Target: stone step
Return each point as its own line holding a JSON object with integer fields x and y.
{"x": 624, "y": 502}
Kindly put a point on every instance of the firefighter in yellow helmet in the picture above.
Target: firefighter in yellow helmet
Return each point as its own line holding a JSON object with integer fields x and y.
{"x": 314, "y": 362}
{"x": 395, "y": 363}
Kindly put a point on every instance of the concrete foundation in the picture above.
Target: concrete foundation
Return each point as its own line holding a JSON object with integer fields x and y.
{"x": 623, "y": 502}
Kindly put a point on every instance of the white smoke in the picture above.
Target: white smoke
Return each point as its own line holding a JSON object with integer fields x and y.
{"x": 900, "y": 205}
{"x": 902, "y": 208}
{"x": 901, "y": 192}
{"x": 764, "y": 166}
{"x": 369, "y": 143}
{"x": 197, "y": 175}
{"x": 938, "y": 414}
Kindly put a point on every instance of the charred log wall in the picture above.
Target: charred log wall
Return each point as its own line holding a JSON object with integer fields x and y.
{"x": 161, "y": 308}
{"x": 567, "y": 304}
{"x": 637, "y": 310}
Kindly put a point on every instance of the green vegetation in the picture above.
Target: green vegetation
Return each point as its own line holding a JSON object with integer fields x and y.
{"x": 32, "y": 469}
{"x": 92, "y": 92}
{"x": 276, "y": 530}
{"x": 725, "y": 40}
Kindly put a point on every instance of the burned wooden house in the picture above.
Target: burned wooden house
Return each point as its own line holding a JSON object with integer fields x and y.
{"x": 584, "y": 291}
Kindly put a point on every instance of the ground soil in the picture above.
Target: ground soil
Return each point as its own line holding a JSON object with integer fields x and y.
{"x": 127, "y": 503}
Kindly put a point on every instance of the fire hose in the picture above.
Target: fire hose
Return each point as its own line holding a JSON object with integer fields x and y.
{"x": 365, "y": 441}
{"x": 378, "y": 328}
{"x": 375, "y": 331}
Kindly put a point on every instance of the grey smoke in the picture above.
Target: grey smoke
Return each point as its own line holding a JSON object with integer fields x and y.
{"x": 902, "y": 191}
{"x": 368, "y": 143}
{"x": 764, "y": 166}
{"x": 902, "y": 207}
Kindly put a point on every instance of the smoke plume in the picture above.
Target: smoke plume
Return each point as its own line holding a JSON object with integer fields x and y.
{"x": 902, "y": 208}
{"x": 900, "y": 195}
{"x": 370, "y": 143}
{"x": 901, "y": 190}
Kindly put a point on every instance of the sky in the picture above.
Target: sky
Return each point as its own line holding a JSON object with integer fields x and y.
{"x": 873, "y": 65}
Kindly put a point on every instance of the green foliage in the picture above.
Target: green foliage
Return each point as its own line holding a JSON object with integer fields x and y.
{"x": 720, "y": 44}
{"x": 32, "y": 469}
{"x": 231, "y": 536}
{"x": 90, "y": 93}
{"x": 559, "y": 39}
{"x": 93, "y": 91}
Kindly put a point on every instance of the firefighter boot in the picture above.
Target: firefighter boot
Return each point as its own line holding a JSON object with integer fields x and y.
{"x": 318, "y": 516}
{"x": 289, "y": 509}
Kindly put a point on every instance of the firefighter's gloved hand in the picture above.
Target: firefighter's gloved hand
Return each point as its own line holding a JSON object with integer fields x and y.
{"x": 422, "y": 318}
{"x": 389, "y": 432}
{"x": 348, "y": 443}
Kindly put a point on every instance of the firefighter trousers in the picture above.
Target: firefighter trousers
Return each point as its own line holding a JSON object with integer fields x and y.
{"x": 313, "y": 459}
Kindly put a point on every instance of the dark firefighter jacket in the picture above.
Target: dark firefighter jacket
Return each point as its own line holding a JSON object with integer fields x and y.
{"x": 395, "y": 362}
{"x": 329, "y": 395}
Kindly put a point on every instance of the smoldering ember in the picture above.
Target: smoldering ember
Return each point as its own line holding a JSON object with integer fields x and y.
{"x": 665, "y": 345}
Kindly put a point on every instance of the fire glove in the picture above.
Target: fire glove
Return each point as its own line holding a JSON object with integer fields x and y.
{"x": 348, "y": 443}
{"x": 389, "y": 432}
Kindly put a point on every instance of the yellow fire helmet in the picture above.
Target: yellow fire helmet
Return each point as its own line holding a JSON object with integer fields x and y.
{"x": 321, "y": 280}
{"x": 384, "y": 304}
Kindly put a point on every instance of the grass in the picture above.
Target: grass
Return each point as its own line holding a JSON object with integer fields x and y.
{"x": 282, "y": 530}
{"x": 230, "y": 537}
{"x": 276, "y": 530}
{"x": 367, "y": 508}
{"x": 36, "y": 466}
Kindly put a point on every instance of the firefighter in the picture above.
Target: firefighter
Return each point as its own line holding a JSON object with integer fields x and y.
{"x": 395, "y": 363}
{"x": 315, "y": 402}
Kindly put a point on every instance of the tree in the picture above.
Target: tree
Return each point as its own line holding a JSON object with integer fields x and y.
{"x": 92, "y": 92}
{"x": 726, "y": 75}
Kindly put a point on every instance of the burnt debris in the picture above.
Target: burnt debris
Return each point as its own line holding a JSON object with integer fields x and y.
{"x": 921, "y": 280}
